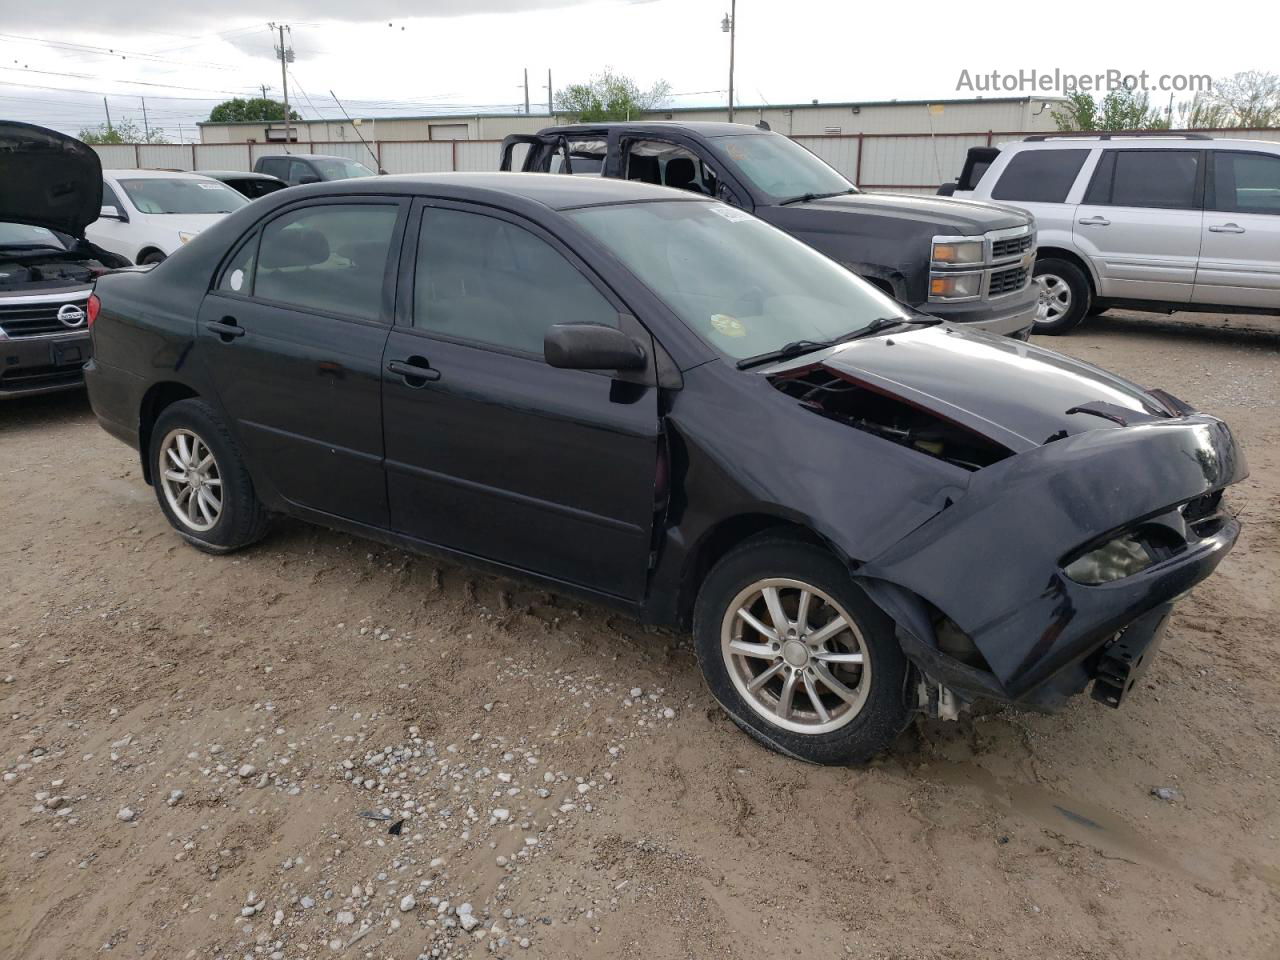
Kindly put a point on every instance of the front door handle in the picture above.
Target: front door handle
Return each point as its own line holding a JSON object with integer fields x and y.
{"x": 1095, "y": 222}
{"x": 226, "y": 328}
{"x": 1227, "y": 228}
{"x": 416, "y": 371}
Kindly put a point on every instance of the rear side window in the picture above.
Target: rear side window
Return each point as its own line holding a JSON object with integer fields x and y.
{"x": 1146, "y": 178}
{"x": 586, "y": 158}
{"x": 276, "y": 166}
{"x": 1040, "y": 176}
{"x": 330, "y": 259}
{"x": 486, "y": 280}
{"x": 1245, "y": 182}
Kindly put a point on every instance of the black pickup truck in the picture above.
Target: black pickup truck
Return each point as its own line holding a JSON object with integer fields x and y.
{"x": 963, "y": 261}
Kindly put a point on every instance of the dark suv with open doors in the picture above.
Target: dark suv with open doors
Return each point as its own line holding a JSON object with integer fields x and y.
{"x": 658, "y": 401}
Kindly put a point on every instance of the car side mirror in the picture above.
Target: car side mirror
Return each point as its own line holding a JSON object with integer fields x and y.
{"x": 308, "y": 178}
{"x": 592, "y": 346}
{"x": 109, "y": 212}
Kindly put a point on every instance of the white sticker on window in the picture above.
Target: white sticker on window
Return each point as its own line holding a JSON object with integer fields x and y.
{"x": 237, "y": 279}
{"x": 733, "y": 214}
{"x": 209, "y": 186}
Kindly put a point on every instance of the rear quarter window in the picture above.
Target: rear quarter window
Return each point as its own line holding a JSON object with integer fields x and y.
{"x": 1040, "y": 176}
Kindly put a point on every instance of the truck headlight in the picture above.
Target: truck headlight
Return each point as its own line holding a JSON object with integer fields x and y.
{"x": 955, "y": 286}
{"x": 1114, "y": 560}
{"x": 956, "y": 253}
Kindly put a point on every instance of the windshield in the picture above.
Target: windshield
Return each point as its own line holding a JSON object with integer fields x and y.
{"x": 21, "y": 235}
{"x": 182, "y": 195}
{"x": 742, "y": 285}
{"x": 337, "y": 169}
{"x": 778, "y": 166}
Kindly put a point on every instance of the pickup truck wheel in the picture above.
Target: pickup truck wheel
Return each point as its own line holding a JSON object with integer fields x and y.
{"x": 1064, "y": 296}
{"x": 798, "y": 655}
{"x": 201, "y": 482}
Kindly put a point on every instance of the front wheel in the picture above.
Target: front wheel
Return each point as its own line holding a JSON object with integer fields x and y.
{"x": 798, "y": 655}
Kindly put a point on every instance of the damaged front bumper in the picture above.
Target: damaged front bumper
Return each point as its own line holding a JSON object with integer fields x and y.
{"x": 993, "y": 566}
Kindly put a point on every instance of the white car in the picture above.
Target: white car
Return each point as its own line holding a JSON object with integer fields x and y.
{"x": 148, "y": 214}
{"x": 1166, "y": 223}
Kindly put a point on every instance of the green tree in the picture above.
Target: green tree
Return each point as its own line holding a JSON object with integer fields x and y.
{"x": 610, "y": 96}
{"x": 1121, "y": 109}
{"x": 258, "y": 108}
{"x": 126, "y": 131}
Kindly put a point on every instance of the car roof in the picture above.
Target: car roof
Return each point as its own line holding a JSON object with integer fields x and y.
{"x": 1120, "y": 142}
{"x": 153, "y": 174}
{"x": 238, "y": 175}
{"x": 554, "y": 190}
{"x": 306, "y": 156}
{"x": 705, "y": 128}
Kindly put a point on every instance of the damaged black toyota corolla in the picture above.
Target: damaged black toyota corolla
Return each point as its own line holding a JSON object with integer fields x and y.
{"x": 660, "y": 402}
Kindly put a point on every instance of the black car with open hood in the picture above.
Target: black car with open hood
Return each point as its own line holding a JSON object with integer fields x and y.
{"x": 663, "y": 403}
{"x": 50, "y": 191}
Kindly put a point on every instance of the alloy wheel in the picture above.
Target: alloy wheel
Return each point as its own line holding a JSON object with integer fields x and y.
{"x": 1055, "y": 298}
{"x": 191, "y": 480}
{"x": 796, "y": 656}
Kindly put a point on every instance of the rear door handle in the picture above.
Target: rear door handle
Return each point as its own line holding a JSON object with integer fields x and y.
{"x": 1095, "y": 222}
{"x": 415, "y": 368}
{"x": 226, "y": 328}
{"x": 1227, "y": 228}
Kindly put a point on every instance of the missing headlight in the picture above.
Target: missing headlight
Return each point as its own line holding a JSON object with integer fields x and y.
{"x": 1114, "y": 560}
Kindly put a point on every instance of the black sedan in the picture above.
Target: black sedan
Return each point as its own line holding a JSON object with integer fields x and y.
{"x": 658, "y": 401}
{"x": 252, "y": 185}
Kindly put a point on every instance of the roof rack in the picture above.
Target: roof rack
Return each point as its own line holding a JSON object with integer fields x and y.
{"x": 1041, "y": 137}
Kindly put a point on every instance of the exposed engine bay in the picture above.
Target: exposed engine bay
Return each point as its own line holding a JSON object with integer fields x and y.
{"x": 843, "y": 398}
{"x": 45, "y": 269}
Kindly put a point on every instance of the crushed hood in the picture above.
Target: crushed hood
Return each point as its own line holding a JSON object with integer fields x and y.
{"x": 1014, "y": 393}
{"x": 48, "y": 179}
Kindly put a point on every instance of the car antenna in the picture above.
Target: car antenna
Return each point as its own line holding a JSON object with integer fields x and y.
{"x": 376, "y": 162}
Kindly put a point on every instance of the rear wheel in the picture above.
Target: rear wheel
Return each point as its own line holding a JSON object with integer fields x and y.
{"x": 155, "y": 256}
{"x": 201, "y": 481}
{"x": 1064, "y": 296}
{"x": 798, "y": 655}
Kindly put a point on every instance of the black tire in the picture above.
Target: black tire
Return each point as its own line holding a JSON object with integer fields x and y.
{"x": 241, "y": 520}
{"x": 1075, "y": 283}
{"x": 155, "y": 256}
{"x": 884, "y": 712}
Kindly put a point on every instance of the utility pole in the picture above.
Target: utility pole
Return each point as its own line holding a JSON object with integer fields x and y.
{"x": 264, "y": 90}
{"x": 108, "y": 109}
{"x": 526, "y": 91}
{"x": 550, "y": 109}
{"x": 730, "y": 25}
{"x": 286, "y": 57}
{"x": 146, "y": 127}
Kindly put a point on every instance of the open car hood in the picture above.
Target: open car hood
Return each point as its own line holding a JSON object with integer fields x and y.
{"x": 48, "y": 179}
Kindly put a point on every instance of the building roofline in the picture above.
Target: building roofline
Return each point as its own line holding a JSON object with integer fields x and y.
{"x": 702, "y": 109}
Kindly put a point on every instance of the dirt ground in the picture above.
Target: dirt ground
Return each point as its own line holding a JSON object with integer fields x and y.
{"x": 194, "y": 750}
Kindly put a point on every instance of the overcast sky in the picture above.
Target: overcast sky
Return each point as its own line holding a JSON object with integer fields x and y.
{"x": 386, "y": 57}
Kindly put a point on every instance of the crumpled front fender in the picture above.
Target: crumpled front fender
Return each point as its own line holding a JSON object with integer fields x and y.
{"x": 992, "y": 561}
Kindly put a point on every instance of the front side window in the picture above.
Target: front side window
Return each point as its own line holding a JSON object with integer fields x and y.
{"x": 1245, "y": 182}
{"x": 331, "y": 259}
{"x": 109, "y": 198}
{"x": 779, "y": 167}
{"x": 482, "y": 279}
{"x": 1146, "y": 178}
{"x": 660, "y": 162}
{"x": 181, "y": 195}
{"x": 276, "y": 166}
{"x": 742, "y": 285}
{"x": 1039, "y": 176}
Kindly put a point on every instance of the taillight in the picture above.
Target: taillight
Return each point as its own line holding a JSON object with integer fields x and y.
{"x": 91, "y": 309}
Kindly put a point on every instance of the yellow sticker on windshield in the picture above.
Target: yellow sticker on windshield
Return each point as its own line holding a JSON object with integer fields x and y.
{"x": 727, "y": 325}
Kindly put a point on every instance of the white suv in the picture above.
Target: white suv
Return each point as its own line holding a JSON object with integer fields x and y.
{"x": 1165, "y": 223}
